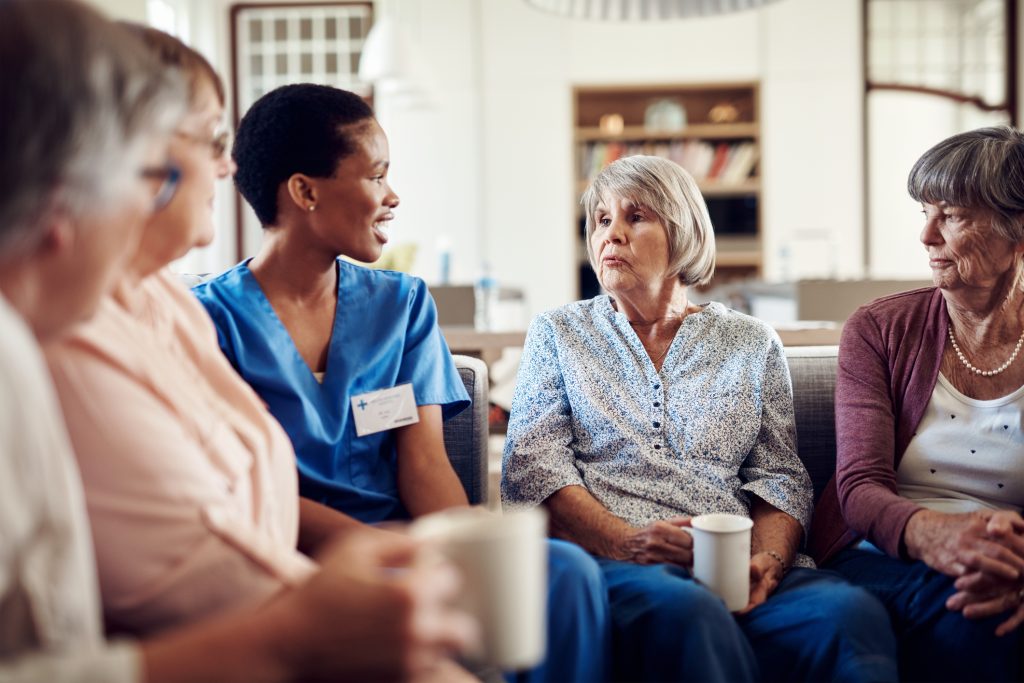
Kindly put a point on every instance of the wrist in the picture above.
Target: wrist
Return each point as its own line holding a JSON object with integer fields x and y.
{"x": 783, "y": 566}
{"x": 915, "y": 528}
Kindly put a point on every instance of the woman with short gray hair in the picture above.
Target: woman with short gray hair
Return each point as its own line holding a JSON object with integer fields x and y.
{"x": 637, "y": 410}
{"x": 925, "y": 506}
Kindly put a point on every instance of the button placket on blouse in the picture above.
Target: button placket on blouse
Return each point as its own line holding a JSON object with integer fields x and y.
{"x": 658, "y": 416}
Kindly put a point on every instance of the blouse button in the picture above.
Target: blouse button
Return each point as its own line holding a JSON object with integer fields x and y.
{"x": 657, "y": 386}
{"x": 657, "y": 403}
{"x": 657, "y": 424}
{"x": 657, "y": 446}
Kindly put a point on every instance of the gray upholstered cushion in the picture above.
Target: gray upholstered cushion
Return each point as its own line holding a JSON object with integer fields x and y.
{"x": 813, "y": 370}
{"x": 465, "y": 435}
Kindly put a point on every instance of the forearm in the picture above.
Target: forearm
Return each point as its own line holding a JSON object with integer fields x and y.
{"x": 426, "y": 488}
{"x": 575, "y": 515}
{"x": 774, "y": 532}
{"x": 426, "y": 481}
{"x": 238, "y": 648}
{"x": 318, "y": 524}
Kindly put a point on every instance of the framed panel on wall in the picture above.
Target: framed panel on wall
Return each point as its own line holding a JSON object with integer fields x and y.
{"x": 274, "y": 44}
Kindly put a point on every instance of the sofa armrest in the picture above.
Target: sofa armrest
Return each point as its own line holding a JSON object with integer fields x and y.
{"x": 465, "y": 435}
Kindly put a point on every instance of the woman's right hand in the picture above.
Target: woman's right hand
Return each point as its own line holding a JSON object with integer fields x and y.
{"x": 661, "y": 542}
{"x": 375, "y": 610}
{"x": 955, "y": 544}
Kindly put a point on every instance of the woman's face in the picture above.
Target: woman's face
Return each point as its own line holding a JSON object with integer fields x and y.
{"x": 107, "y": 239}
{"x": 963, "y": 248}
{"x": 187, "y": 221}
{"x": 354, "y": 205}
{"x": 630, "y": 246}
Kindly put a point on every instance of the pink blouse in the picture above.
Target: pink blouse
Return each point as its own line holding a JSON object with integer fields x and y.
{"x": 190, "y": 483}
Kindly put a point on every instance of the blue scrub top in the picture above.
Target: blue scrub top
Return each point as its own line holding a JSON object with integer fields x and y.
{"x": 385, "y": 333}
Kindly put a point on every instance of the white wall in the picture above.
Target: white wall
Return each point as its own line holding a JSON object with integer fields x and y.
{"x": 490, "y": 165}
{"x": 513, "y": 146}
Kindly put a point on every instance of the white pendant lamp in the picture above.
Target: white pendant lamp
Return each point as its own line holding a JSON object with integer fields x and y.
{"x": 643, "y": 10}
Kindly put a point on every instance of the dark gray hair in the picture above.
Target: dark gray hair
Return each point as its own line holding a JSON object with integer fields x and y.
{"x": 81, "y": 97}
{"x": 664, "y": 188}
{"x": 982, "y": 168}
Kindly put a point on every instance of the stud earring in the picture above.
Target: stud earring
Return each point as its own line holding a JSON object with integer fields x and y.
{"x": 312, "y": 207}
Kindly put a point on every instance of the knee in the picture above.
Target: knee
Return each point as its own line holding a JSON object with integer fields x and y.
{"x": 680, "y": 605}
{"x": 572, "y": 569}
{"x": 850, "y": 609}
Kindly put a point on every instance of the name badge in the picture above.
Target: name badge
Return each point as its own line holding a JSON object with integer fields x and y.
{"x": 377, "y": 411}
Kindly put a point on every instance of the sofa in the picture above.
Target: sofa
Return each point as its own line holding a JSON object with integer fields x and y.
{"x": 813, "y": 371}
{"x": 812, "y": 368}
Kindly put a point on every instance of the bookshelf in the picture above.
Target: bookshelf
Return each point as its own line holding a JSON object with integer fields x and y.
{"x": 718, "y": 141}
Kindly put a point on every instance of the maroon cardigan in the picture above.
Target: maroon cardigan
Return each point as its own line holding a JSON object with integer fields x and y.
{"x": 889, "y": 359}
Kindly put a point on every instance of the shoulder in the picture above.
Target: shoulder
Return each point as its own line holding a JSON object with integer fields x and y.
{"x": 578, "y": 315}
{"x": 735, "y": 328}
{"x": 221, "y": 287}
{"x": 904, "y": 310}
{"x": 377, "y": 282}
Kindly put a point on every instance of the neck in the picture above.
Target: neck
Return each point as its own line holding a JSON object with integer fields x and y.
{"x": 293, "y": 268}
{"x": 988, "y": 312}
{"x": 24, "y": 291}
{"x": 667, "y": 301}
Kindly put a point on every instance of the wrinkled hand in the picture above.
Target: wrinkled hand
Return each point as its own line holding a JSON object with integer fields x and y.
{"x": 660, "y": 542}
{"x": 958, "y": 544}
{"x": 376, "y": 610}
{"x": 980, "y": 594}
{"x": 765, "y": 575}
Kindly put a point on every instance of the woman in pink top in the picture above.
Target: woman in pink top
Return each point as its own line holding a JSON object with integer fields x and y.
{"x": 190, "y": 483}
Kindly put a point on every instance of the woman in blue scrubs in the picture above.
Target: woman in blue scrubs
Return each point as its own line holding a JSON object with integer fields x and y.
{"x": 322, "y": 340}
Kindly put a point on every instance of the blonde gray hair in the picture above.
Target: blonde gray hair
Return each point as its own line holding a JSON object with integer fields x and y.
{"x": 670, "y": 193}
{"x": 81, "y": 98}
{"x": 982, "y": 168}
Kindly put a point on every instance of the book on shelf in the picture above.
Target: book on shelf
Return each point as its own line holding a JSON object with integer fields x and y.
{"x": 724, "y": 163}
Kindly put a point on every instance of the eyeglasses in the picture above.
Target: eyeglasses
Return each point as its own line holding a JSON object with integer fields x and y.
{"x": 218, "y": 144}
{"x": 168, "y": 177}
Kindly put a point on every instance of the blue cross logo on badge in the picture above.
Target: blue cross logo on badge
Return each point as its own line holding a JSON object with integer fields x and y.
{"x": 362, "y": 405}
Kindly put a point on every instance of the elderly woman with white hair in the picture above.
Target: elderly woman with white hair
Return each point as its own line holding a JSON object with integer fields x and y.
{"x": 637, "y": 410}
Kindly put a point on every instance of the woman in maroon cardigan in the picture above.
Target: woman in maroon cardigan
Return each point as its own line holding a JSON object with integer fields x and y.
{"x": 925, "y": 507}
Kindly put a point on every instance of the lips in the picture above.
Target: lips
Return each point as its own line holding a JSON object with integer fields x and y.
{"x": 613, "y": 261}
{"x": 378, "y": 227}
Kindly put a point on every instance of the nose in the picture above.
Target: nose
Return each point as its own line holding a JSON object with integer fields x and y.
{"x": 616, "y": 233}
{"x": 930, "y": 233}
{"x": 391, "y": 200}
{"x": 226, "y": 166}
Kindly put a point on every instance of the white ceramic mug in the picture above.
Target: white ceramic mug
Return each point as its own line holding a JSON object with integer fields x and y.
{"x": 721, "y": 556}
{"x": 504, "y": 564}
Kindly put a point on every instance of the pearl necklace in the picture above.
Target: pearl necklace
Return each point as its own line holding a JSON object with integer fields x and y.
{"x": 977, "y": 371}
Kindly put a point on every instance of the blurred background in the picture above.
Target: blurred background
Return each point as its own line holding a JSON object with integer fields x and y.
{"x": 799, "y": 118}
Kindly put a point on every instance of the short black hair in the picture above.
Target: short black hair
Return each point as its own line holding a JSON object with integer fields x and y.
{"x": 293, "y": 129}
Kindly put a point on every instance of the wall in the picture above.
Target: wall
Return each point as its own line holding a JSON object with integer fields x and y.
{"x": 489, "y": 166}
{"x": 512, "y": 126}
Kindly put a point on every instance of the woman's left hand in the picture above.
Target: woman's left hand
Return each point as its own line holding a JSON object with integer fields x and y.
{"x": 979, "y": 597}
{"x": 765, "y": 575}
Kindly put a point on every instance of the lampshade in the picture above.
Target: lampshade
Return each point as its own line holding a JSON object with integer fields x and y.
{"x": 643, "y": 10}
{"x": 385, "y": 53}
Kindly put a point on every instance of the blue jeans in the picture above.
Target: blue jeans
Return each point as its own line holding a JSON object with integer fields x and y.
{"x": 579, "y": 622}
{"x": 814, "y": 627}
{"x": 935, "y": 643}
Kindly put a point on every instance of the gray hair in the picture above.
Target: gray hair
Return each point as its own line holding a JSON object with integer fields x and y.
{"x": 982, "y": 168}
{"x": 664, "y": 188}
{"x": 81, "y": 98}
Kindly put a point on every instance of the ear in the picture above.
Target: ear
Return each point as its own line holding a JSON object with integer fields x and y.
{"x": 302, "y": 191}
{"x": 59, "y": 237}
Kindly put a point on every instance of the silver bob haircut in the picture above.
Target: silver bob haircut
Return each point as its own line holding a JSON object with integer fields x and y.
{"x": 80, "y": 98}
{"x": 664, "y": 188}
{"x": 979, "y": 169}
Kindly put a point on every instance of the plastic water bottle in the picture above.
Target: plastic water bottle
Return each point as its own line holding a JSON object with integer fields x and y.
{"x": 444, "y": 260}
{"x": 485, "y": 294}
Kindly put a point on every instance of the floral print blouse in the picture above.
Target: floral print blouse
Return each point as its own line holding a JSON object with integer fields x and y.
{"x": 714, "y": 426}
